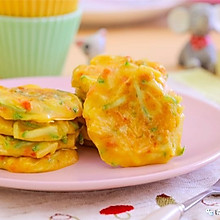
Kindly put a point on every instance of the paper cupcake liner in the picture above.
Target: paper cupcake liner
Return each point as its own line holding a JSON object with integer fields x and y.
{"x": 37, "y": 8}
{"x": 36, "y": 46}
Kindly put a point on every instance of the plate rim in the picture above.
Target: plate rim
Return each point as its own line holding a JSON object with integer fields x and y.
{"x": 98, "y": 184}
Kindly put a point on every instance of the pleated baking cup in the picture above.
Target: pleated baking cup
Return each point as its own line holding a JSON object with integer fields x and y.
{"x": 36, "y": 46}
{"x": 37, "y": 8}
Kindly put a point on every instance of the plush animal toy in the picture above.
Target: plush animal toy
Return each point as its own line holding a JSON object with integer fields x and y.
{"x": 94, "y": 44}
{"x": 199, "y": 19}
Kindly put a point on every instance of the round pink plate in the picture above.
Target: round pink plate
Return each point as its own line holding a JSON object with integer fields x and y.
{"x": 200, "y": 137}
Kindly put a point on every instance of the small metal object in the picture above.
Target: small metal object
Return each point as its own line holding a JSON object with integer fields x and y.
{"x": 175, "y": 211}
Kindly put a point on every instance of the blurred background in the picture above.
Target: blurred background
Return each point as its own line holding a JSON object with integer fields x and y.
{"x": 136, "y": 28}
{"x": 121, "y": 12}
{"x": 52, "y": 37}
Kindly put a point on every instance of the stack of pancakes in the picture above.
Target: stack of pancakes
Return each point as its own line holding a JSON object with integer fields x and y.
{"x": 38, "y": 128}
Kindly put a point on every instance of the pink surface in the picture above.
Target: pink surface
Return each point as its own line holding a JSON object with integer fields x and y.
{"x": 200, "y": 137}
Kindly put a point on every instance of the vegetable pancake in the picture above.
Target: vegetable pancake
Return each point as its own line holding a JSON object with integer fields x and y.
{"x": 58, "y": 160}
{"x": 35, "y": 131}
{"x": 84, "y": 76}
{"x": 10, "y": 146}
{"x": 132, "y": 117}
{"x": 36, "y": 104}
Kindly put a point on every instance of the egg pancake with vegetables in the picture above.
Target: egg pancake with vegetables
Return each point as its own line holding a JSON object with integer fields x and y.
{"x": 37, "y": 104}
{"x": 58, "y": 160}
{"x": 132, "y": 117}
{"x": 10, "y": 146}
{"x": 84, "y": 76}
{"x": 38, "y": 128}
{"x": 34, "y": 131}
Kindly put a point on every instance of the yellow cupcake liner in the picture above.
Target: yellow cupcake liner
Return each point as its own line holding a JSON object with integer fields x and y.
{"x": 37, "y": 8}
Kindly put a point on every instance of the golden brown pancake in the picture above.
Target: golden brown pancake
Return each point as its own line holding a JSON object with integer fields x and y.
{"x": 84, "y": 76}
{"x": 50, "y": 162}
{"x": 36, "y": 104}
{"x": 35, "y": 131}
{"x": 10, "y": 146}
{"x": 132, "y": 117}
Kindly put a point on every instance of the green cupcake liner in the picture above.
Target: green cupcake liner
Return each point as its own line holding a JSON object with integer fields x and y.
{"x": 36, "y": 46}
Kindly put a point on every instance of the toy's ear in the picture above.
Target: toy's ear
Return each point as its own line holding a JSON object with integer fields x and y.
{"x": 179, "y": 19}
{"x": 80, "y": 42}
{"x": 217, "y": 17}
{"x": 103, "y": 32}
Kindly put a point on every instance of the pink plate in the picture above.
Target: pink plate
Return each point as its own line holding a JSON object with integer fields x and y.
{"x": 200, "y": 137}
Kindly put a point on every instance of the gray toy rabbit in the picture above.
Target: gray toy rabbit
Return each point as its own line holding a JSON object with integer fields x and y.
{"x": 199, "y": 19}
